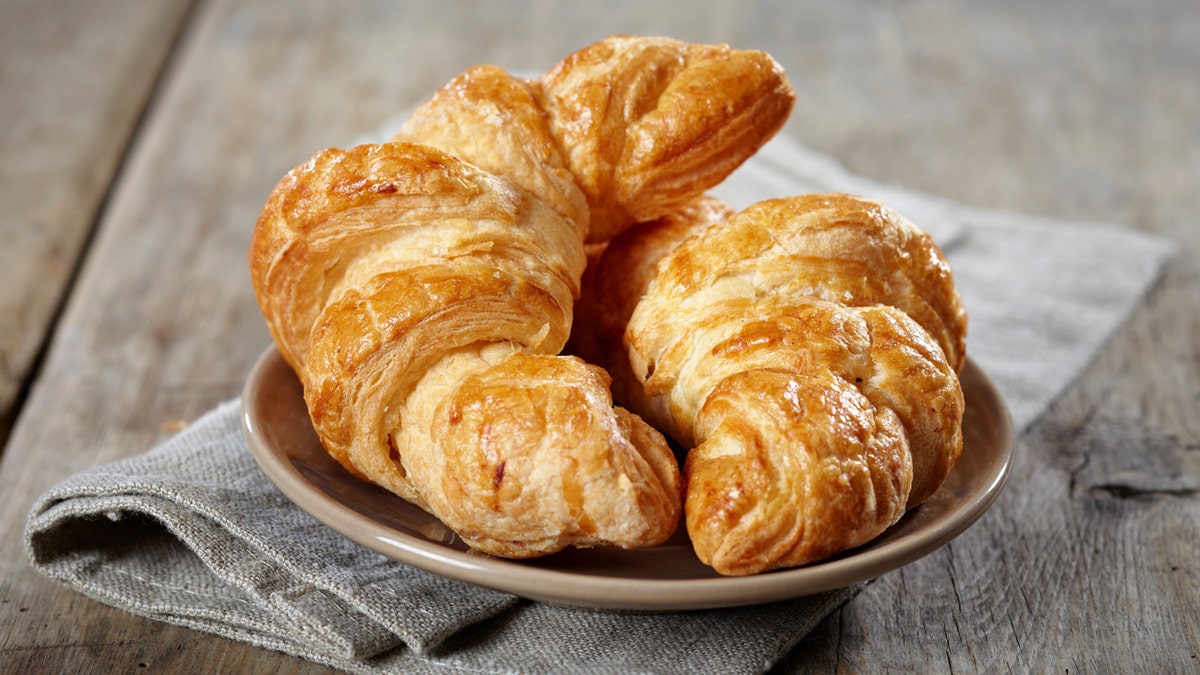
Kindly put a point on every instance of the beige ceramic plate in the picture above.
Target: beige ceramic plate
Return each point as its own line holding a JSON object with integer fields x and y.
{"x": 662, "y": 578}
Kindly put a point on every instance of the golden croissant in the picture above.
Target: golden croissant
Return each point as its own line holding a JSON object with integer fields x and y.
{"x": 804, "y": 351}
{"x": 423, "y": 288}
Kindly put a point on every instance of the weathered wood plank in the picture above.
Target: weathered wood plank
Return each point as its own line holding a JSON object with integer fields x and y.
{"x": 1081, "y": 109}
{"x": 74, "y": 79}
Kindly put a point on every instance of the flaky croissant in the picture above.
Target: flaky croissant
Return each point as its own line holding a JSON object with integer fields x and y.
{"x": 633, "y": 127}
{"x": 423, "y": 288}
{"x": 805, "y": 351}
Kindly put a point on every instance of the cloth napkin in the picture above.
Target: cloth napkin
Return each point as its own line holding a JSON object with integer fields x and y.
{"x": 193, "y": 533}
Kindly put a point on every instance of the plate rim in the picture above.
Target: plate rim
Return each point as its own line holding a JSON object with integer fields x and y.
{"x": 606, "y": 592}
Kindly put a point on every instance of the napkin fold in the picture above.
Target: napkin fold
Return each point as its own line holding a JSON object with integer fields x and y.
{"x": 193, "y": 533}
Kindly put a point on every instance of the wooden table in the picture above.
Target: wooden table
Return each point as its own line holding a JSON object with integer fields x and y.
{"x": 140, "y": 140}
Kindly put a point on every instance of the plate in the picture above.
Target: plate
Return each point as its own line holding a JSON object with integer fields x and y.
{"x": 667, "y": 577}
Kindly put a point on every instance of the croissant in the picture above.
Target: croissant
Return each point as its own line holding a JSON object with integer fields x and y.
{"x": 804, "y": 351}
{"x": 423, "y": 288}
{"x": 637, "y": 126}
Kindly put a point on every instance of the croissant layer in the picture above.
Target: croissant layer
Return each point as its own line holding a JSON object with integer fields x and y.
{"x": 804, "y": 352}
{"x": 629, "y": 128}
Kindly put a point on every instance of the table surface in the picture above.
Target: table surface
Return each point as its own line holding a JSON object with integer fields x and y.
{"x": 141, "y": 139}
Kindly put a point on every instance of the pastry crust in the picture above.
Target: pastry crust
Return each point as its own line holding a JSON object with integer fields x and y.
{"x": 616, "y": 278}
{"x": 639, "y": 125}
{"x": 423, "y": 288}
{"x": 805, "y": 352}
{"x": 437, "y": 297}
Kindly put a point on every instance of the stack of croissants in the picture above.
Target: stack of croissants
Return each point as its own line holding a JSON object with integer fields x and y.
{"x": 464, "y": 303}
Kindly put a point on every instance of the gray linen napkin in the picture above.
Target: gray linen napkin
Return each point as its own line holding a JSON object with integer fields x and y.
{"x": 193, "y": 533}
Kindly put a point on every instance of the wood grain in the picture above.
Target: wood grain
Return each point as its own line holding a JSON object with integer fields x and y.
{"x": 1079, "y": 109}
{"x": 70, "y": 100}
